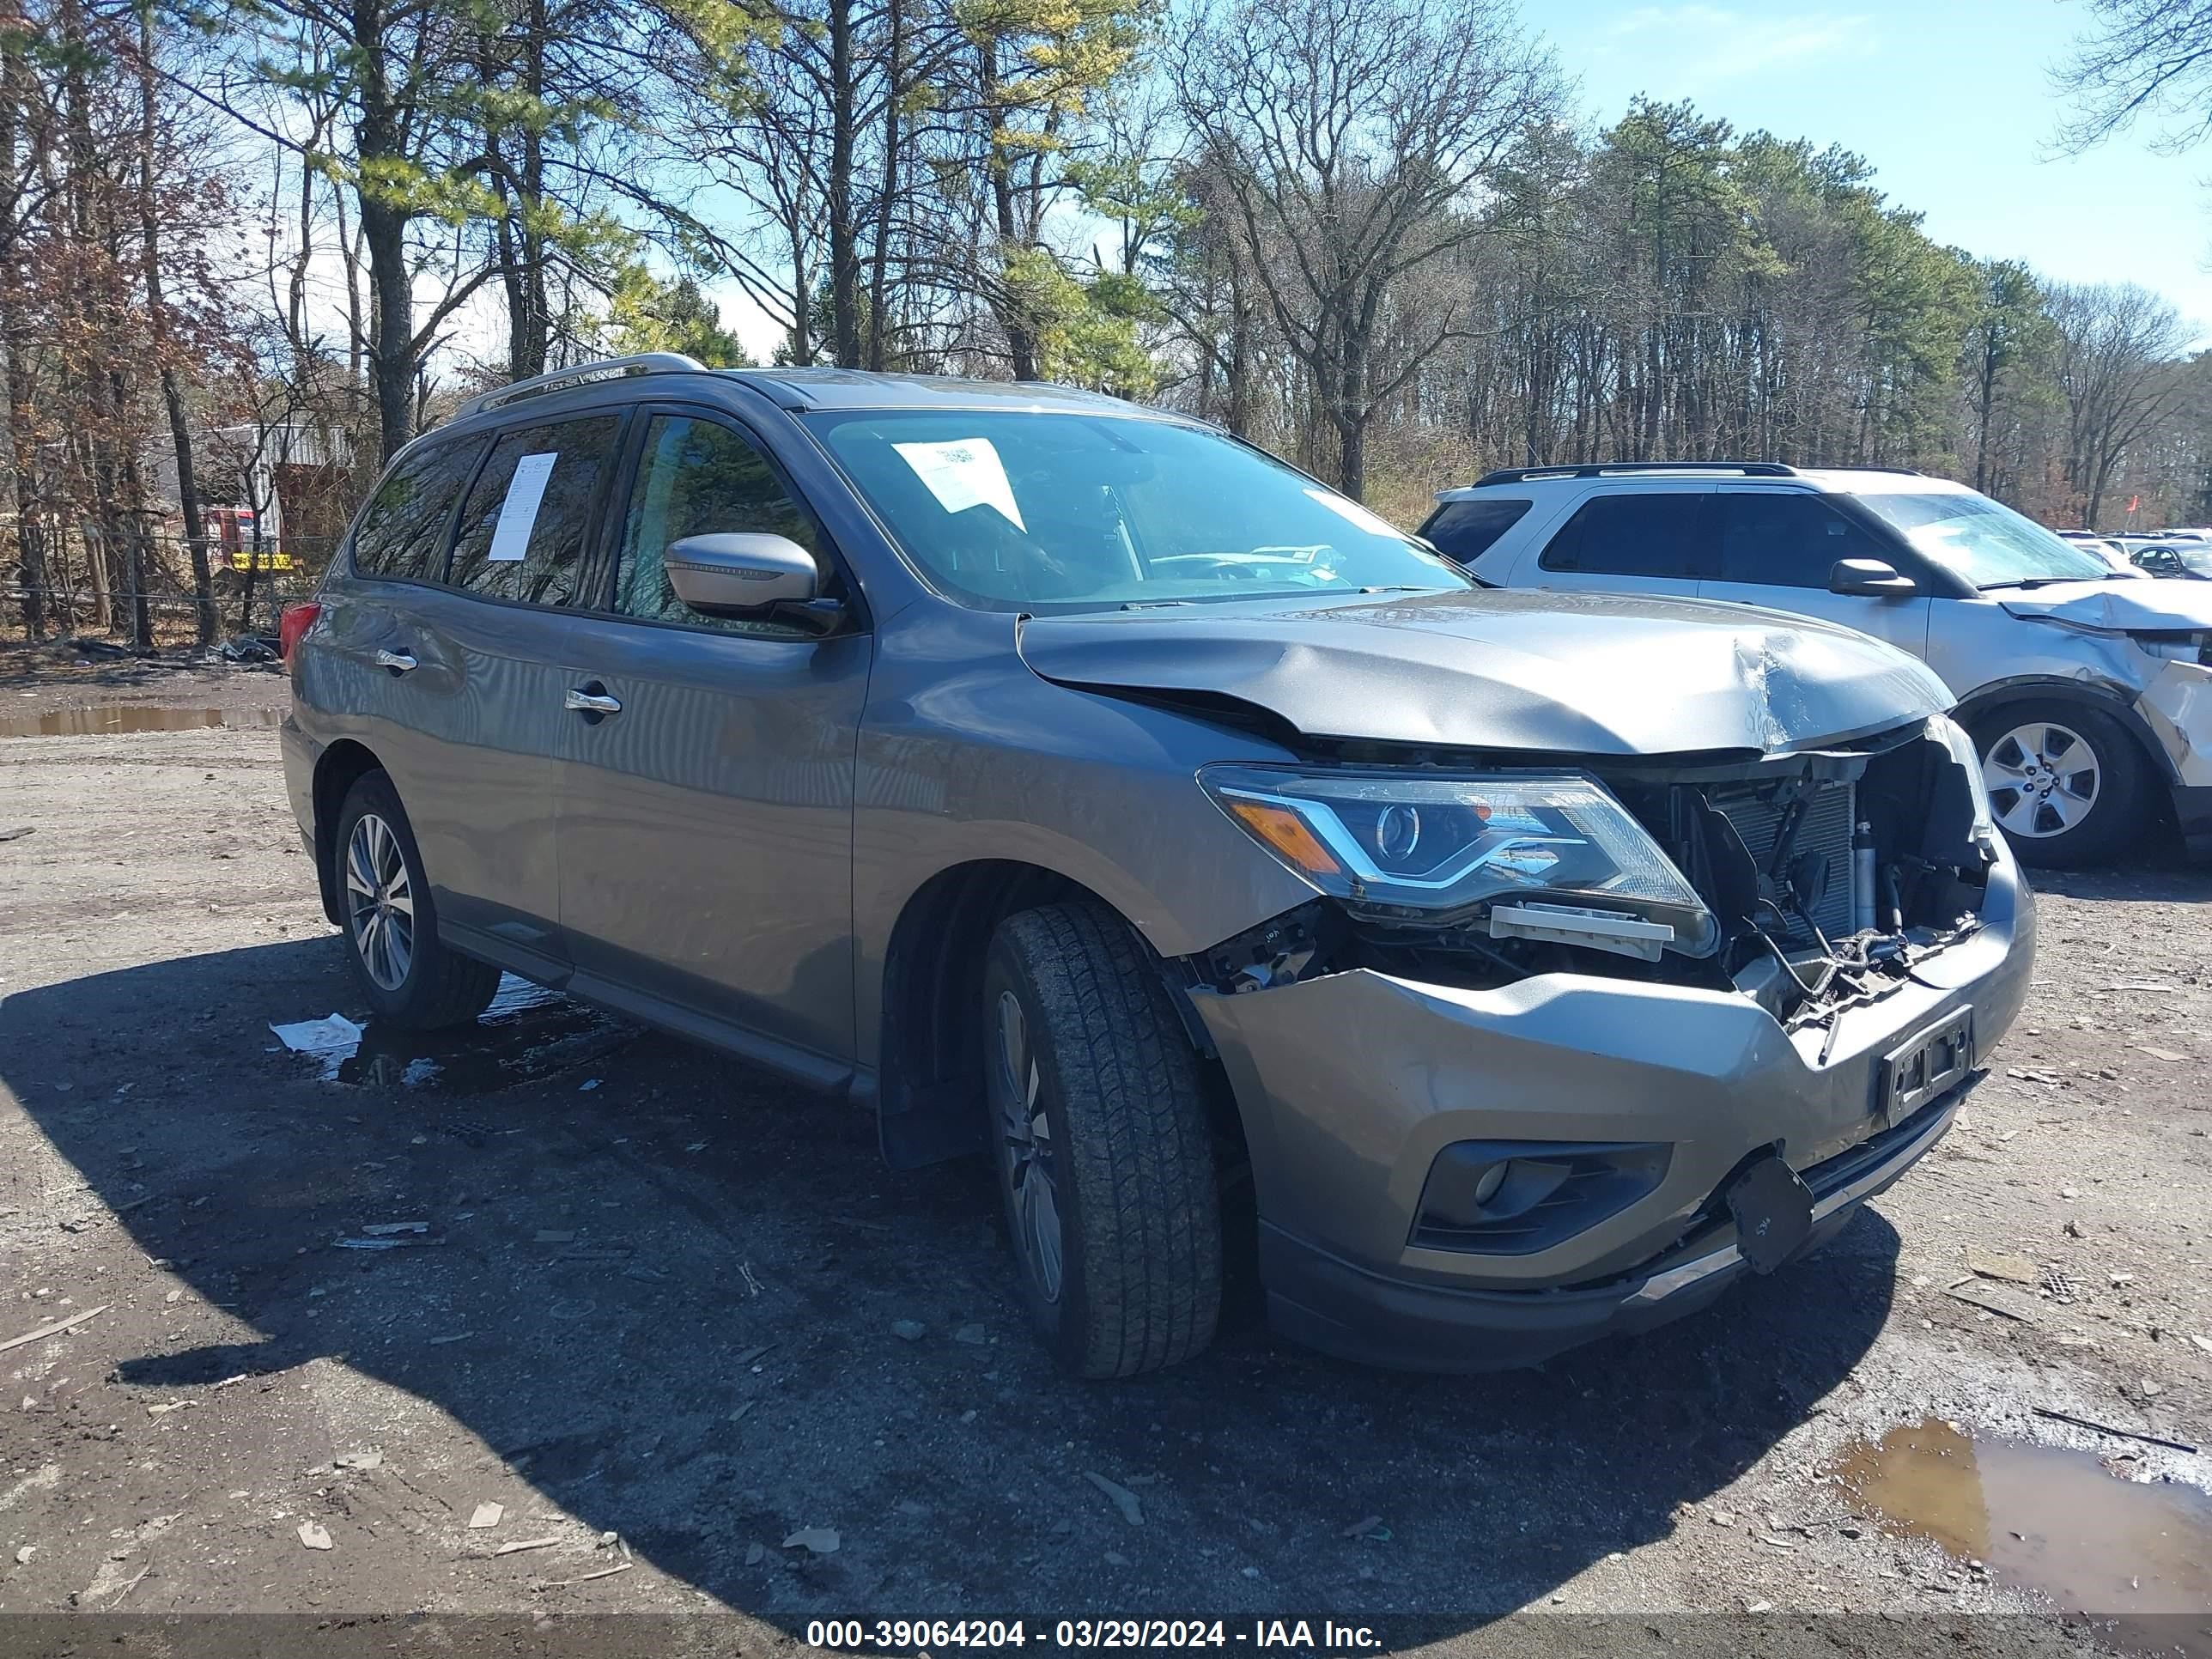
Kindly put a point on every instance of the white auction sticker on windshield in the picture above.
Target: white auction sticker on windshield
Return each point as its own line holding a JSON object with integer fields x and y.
{"x": 510, "y": 539}
{"x": 964, "y": 473}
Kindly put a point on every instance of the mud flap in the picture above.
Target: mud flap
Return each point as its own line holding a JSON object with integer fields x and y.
{"x": 1773, "y": 1211}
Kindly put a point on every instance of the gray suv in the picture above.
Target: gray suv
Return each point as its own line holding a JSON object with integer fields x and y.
{"x": 1070, "y": 784}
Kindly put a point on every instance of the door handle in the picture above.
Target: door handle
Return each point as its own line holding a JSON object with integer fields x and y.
{"x": 585, "y": 701}
{"x": 399, "y": 662}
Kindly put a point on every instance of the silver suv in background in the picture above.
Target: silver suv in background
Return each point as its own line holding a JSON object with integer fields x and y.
{"x": 2090, "y": 695}
{"x": 1072, "y": 785}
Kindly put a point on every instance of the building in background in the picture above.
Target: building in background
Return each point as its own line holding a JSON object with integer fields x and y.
{"x": 272, "y": 497}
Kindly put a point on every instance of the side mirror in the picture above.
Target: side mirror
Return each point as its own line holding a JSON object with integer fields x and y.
{"x": 737, "y": 572}
{"x": 1873, "y": 579}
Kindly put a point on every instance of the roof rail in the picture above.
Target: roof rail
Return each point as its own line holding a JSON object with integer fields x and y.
{"x": 1608, "y": 469}
{"x": 561, "y": 379}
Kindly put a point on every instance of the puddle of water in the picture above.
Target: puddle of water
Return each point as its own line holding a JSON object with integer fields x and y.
{"x": 106, "y": 719}
{"x": 528, "y": 1032}
{"x": 2046, "y": 1520}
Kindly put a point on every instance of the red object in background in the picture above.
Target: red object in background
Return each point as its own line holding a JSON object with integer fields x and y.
{"x": 296, "y": 620}
{"x": 2134, "y": 501}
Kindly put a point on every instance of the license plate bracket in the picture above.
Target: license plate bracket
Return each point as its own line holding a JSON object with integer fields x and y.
{"x": 1932, "y": 1061}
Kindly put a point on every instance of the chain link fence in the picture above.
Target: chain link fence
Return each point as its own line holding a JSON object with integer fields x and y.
{"x": 81, "y": 598}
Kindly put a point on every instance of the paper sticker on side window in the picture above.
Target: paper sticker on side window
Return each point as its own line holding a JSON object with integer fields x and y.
{"x": 525, "y": 492}
{"x": 964, "y": 473}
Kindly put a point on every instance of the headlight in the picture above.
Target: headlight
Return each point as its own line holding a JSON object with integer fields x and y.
{"x": 1954, "y": 737}
{"x": 1448, "y": 844}
{"x": 2176, "y": 647}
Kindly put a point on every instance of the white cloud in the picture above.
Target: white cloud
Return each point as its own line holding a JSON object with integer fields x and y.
{"x": 1688, "y": 48}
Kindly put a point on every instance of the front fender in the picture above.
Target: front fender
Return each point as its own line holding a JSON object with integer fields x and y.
{"x": 965, "y": 755}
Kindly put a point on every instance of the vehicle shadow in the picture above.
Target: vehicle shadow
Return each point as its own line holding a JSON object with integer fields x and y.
{"x": 666, "y": 1293}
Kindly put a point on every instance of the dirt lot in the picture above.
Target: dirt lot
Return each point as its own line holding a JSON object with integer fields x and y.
{"x": 662, "y": 1311}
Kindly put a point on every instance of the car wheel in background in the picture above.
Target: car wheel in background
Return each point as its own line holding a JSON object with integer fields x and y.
{"x": 390, "y": 927}
{"x": 1100, "y": 1135}
{"x": 2067, "y": 784}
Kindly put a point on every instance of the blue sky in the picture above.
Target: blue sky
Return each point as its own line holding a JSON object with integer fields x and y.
{"x": 1950, "y": 101}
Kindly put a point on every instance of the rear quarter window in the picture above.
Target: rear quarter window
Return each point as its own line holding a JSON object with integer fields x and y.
{"x": 1463, "y": 530}
{"x": 402, "y": 534}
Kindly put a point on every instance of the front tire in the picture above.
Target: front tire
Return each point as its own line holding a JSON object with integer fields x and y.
{"x": 2067, "y": 784}
{"x": 1100, "y": 1136}
{"x": 407, "y": 975}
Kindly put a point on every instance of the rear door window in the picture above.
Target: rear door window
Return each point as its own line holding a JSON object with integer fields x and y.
{"x": 1648, "y": 532}
{"x": 1786, "y": 538}
{"x": 1463, "y": 530}
{"x": 529, "y": 516}
{"x": 403, "y": 532}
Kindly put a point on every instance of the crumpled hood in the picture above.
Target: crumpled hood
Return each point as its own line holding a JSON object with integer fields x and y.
{"x": 1568, "y": 674}
{"x": 2162, "y": 605}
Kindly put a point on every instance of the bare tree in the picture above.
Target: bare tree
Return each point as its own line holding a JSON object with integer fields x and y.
{"x": 158, "y": 324}
{"x": 19, "y": 209}
{"x": 2011, "y": 334}
{"x": 1355, "y": 231}
{"x": 2140, "y": 58}
{"x": 398, "y": 82}
{"x": 2116, "y": 363}
{"x": 1351, "y": 137}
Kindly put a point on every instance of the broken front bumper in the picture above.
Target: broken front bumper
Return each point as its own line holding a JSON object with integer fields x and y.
{"x": 1352, "y": 1084}
{"x": 2176, "y": 708}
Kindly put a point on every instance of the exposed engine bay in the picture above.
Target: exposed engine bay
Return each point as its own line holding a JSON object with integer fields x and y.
{"x": 1831, "y": 880}
{"x": 1831, "y": 874}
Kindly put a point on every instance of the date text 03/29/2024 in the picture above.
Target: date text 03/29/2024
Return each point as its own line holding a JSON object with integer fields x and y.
{"x": 923, "y": 1635}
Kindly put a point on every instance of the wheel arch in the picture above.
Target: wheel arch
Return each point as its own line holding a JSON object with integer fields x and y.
{"x": 1992, "y": 699}
{"x": 929, "y": 1063}
{"x": 338, "y": 768}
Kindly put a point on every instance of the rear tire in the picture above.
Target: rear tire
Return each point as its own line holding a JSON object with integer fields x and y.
{"x": 2068, "y": 784}
{"x": 390, "y": 922}
{"x": 1100, "y": 1136}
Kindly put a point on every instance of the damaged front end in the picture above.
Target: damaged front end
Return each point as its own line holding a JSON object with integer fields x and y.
{"x": 1567, "y": 1047}
{"x": 1810, "y": 882}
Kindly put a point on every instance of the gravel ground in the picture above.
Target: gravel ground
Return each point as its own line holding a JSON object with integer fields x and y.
{"x": 674, "y": 1319}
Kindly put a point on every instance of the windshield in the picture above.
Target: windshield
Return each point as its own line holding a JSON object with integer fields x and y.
{"x": 1989, "y": 545}
{"x": 1005, "y": 510}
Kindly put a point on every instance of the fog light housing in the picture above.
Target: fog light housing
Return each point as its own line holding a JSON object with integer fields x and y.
{"x": 1516, "y": 1197}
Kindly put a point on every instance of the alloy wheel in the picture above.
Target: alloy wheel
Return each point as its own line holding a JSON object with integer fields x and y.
{"x": 1031, "y": 1172}
{"x": 2042, "y": 779}
{"x": 379, "y": 902}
